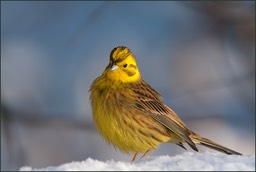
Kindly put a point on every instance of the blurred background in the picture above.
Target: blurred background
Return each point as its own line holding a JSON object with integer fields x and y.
{"x": 200, "y": 56}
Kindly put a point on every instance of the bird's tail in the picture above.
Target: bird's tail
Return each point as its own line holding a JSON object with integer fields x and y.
{"x": 210, "y": 144}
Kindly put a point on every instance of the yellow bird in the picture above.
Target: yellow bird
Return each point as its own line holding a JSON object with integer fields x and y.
{"x": 131, "y": 115}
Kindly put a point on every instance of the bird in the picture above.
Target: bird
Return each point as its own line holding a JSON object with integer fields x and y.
{"x": 130, "y": 115}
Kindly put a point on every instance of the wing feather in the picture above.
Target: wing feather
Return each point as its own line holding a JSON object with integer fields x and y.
{"x": 150, "y": 102}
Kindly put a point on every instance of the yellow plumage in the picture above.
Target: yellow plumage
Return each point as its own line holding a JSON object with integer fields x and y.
{"x": 130, "y": 114}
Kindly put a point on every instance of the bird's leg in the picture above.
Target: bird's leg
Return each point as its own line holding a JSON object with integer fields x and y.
{"x": 146, "y": 153}
{"x": 135, "y": 156}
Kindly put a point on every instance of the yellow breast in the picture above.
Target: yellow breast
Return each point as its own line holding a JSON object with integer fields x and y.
{"x": 121, "y": 125}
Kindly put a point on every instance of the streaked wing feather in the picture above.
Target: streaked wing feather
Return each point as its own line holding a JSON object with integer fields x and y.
{"x": 149, "y": 101}
{"x": 173, "y": 126}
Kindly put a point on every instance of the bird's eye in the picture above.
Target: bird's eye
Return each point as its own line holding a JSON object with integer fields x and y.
{"x": 125, "y": 65}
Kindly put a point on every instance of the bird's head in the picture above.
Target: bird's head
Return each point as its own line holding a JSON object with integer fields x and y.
{"x": 122, "y": 66}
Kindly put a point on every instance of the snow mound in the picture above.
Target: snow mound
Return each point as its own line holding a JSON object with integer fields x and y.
{"x": 184, "y": 161}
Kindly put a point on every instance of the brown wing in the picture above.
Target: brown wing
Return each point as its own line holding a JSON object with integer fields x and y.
{"x": 150, "y": 102}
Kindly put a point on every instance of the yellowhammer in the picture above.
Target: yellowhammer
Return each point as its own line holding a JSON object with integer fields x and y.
{"x": 130, "y": 114}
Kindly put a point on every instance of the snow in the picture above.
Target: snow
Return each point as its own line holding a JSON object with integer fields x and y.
{"x": 184, "y": 161}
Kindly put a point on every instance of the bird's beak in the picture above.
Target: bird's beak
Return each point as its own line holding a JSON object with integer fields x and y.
{"x": 114, "y": 67}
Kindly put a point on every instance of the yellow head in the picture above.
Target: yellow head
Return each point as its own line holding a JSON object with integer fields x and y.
{"x": 122, "y": 66}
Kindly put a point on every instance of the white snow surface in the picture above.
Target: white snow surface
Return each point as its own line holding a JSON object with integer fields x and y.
{"x": 184, "y": 161}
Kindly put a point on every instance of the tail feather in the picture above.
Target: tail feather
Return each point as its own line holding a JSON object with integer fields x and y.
{"x": 181, "y": 145}
{"x": 210, "y": 144}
